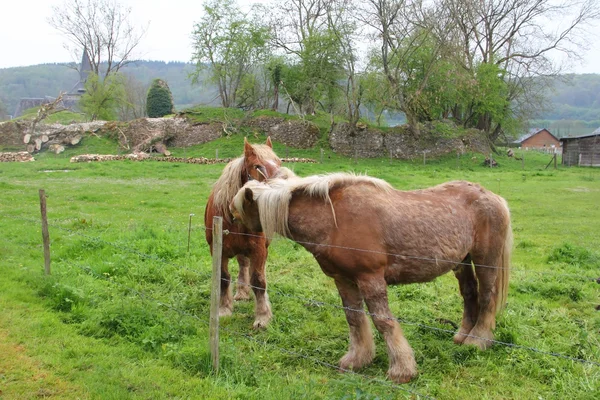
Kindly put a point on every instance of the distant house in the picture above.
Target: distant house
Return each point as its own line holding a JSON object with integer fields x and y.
{"x": 70, "y": 99}
{"x": 582, "y": 150}
{"x": 540, "y": 139}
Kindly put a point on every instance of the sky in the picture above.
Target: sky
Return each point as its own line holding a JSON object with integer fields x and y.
{"x": 26, "y": 37}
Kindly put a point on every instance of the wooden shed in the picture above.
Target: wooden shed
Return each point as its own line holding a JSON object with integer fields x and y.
{"x": 540, "y": 139}
{"x": 582, "y": 150}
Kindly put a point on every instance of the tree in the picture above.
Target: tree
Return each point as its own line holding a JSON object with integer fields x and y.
{"x": 230, "y": 43}
{"x": 133, "y": 105}
{"x": 102, "y": 28}
{"x": 517, "y": 38}
{"x": 3, "y": 111}
{"x": 102, "y": 97}
{"x": 301, "y": 29}
{"x": 160, "y": 100}
{"x": 411, "y": 36}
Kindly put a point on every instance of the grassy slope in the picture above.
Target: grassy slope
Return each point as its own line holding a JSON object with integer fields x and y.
{"x": 118, "y": 226}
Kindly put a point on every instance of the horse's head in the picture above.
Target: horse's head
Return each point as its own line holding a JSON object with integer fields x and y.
{"x": 260, "y": 162}
{"x": 244, "y": 208}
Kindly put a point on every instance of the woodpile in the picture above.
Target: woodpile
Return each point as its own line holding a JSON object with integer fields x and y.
{"x": 21, "y": 156}
{"x": 55, "y": 137}
{"x": 145, "y": 157}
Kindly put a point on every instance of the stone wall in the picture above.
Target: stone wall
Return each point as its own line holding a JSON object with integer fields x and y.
{"x": 298, "y": 134}
{"x": 372, "y": 142}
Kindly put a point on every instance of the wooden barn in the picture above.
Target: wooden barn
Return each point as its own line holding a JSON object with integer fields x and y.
{"x": 582, "y": 150}
{"x": 539, "y": 139}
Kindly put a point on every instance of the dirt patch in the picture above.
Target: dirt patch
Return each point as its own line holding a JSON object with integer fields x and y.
{"x": 23, "y": 377}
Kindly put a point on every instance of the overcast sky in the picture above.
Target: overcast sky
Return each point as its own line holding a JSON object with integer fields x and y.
{"x": 26, "y": 38}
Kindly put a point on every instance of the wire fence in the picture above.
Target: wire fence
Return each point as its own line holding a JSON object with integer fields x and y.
{"x": 56, "y": 223}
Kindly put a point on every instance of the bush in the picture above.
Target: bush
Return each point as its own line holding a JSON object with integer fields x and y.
{"x": 160, "y": 100}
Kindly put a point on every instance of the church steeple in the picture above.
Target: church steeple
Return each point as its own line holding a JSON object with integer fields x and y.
{"x": 85, "y": 68}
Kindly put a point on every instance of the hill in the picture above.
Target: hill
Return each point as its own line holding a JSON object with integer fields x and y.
{"x": 574, "y": 103}
{"x": 49, "y": 79}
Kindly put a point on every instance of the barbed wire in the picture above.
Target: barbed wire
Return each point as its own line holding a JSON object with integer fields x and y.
{"x": 436, "y": 260}
{"x": 317, "y": 302}
{"x": 421, "y": 325}
{"x": 144, "y": 297}
{"x": 122, "y": 247}
{"x": 421, "y": 258}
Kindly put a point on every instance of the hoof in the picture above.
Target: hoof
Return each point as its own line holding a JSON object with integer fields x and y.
{"x": 225, "y": 312}
{"x": 242, "y": 296}
{"x": 404, "y": 375}
{"x": 478, "y": 339}
{"x": 262, "y": 322}
{"x": 353, "y": 361}
{"x": 460, "y": 336}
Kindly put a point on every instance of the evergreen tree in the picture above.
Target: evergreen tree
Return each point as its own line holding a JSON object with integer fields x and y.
{"x": 160, "y": 100}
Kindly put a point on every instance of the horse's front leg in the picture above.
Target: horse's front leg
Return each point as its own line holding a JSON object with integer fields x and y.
{"x": 243, "y": 283}
{"x": 258, "y": 280}
{"x": 226, "y": 303}
{"x": 402, "y": 361}
{"x": 362, "y": 348}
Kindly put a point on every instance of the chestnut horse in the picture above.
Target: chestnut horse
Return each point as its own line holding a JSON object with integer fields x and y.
{"x": 367, "y": 235}
{"x": 258, "y": 162}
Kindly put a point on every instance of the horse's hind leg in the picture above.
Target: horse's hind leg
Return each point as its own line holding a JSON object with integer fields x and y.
{"x": 402, "y": 361}
{"x": 243, "y": 283}
{"x": 226, "y": 303}
{"x": 258, "y": 281}
{"x": 362, "y": 348}
{"x": 468, "y": 289}
{"x": 486, "y": 270}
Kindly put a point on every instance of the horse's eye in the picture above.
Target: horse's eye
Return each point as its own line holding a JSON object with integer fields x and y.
{"x": 257, "y": 166}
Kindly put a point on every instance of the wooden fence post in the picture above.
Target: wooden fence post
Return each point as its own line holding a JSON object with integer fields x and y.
{"x": 215, "y": 293}
{"x": 45, "y": 234}
{"x": 321, "y": 155}
{"x": 190, "y": 231}
{"x": 216, "y": 154}
{"x": 423, "y": 158}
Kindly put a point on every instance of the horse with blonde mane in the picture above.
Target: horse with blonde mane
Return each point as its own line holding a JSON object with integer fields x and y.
{"x": 258, "y": 163}
{"x": 366, "y": 235}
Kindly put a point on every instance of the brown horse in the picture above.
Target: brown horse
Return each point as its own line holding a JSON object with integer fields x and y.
{"x": 258, "y": 162}
{"x": 367, "y": 235}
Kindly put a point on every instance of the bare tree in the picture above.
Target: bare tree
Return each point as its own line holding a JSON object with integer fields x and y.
{"x": 230, "y": 43}
{"x": 403, "y": 29}
{"x": 133, "y": 105}
{"x": 102, "y": 28}
{"x": 522, "y": 38}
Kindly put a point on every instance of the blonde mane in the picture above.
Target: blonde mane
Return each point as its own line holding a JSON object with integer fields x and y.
{"x": 229, "y": 183}
{"x": 273, "y": 196}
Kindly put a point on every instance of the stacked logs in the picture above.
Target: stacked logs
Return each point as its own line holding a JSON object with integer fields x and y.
{"x": 21, "y": 156}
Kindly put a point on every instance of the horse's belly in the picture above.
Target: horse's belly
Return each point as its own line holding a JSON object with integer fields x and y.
{"x": 417, "y": 271}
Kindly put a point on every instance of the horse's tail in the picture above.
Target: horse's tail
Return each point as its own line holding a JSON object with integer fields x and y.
{"x": 504, "y": 268}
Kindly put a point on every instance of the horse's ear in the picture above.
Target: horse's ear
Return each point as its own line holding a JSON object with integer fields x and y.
{"x": 269, "y": 142}
{"x": 248, "y": 150}
{"x": 248, "y": 195}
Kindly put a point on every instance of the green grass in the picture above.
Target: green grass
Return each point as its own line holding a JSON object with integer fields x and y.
{"x": 64, "y": 117}
{"x": 125, "y": 312}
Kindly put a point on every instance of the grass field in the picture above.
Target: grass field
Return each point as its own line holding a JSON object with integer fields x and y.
{"x": 125, "y": 312}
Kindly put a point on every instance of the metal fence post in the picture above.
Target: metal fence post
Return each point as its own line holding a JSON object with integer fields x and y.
{"x": 215, "y": 293}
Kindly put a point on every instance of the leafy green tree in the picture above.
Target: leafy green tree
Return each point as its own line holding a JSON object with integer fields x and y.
{"x": 304, "y": 30}
{"x": 102, "y": 97}
{"x": 160, "y": 100}
{"x": 230, "y": 44}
